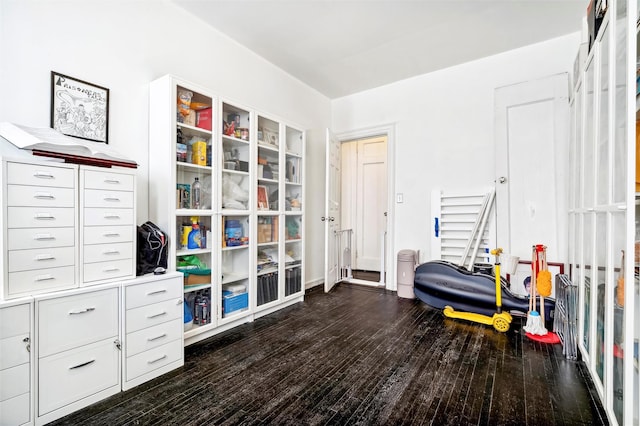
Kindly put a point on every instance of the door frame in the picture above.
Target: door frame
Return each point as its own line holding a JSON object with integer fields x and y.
{"x": 388, "y": 130}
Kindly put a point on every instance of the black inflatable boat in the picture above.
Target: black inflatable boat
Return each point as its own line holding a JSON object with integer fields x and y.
{"x": 439, "y": 283}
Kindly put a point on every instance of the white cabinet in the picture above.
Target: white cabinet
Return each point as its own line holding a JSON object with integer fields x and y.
{"x": 153, "y": 327}
{"x": 66, "y": 226}
{"x": 41, "y": 207}
{"x": 603, "y": 213}
{"x": 252, "y": 189}
{"x": 77, "y": 349}
{"x": 181, "y": 151}
{"x": 107, "y": 225}
{"x": 16, "y": 362}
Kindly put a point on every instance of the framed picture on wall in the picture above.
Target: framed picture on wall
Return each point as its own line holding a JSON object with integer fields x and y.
{"x": 521, "y": 281}
{"x": 79, "y": 108}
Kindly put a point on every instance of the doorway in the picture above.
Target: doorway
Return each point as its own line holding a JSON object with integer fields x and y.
{"x": 338, "y": 261}
{"x": 364, "y": 208}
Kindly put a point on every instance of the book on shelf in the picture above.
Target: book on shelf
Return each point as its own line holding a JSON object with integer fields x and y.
{"x": 49, "y": 142}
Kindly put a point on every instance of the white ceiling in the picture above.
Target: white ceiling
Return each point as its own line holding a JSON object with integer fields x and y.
{"x": 340, "y": 47}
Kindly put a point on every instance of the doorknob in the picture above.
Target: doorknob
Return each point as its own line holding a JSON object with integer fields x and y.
{"x": 323, "y": 218}
{"x": 502, "y": 179}
{"x": 331, "y": 219}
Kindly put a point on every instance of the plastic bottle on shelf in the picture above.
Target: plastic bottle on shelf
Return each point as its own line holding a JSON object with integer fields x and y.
{"x": 194, "y": 239}
{"x": 195, "y": 194}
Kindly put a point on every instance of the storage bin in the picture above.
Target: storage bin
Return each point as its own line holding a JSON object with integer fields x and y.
{"x": 234, "y": 302}
{"x": 197, "y": 276}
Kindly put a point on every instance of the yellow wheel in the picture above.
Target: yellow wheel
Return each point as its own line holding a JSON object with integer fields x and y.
{"x": 501, "y": 324}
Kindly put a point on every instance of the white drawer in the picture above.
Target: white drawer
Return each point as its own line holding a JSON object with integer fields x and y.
{"x": 154, "y": 291}
{"x": 40, "y": 217}
{"x": 107, "y": 234}
{"x": 152, "y": 337}
{"x": 26, "y": 238}
{"x": 13, "y": 351}
{"x": 14, "y": 381}
{"x": 15, "y": 411}
{"x": 26, "y": 260}
{"x": 71, "y": 321}
{"x": 107, "y": 252}
{"x": 37, "y": 281}
{"x": 72, "y": 375}
{"x": 108, "y": 199}
{"x": 23, "y": 195}
{"x": 15, "y": 321}
{"x": 153, "y": 359}
{"x": 107, "y": 270}
{"x": 108, "y": 180}
{"x": 147, "y": 316}
{"x": 36, "y": 174}
{"x": 102, "y": 217}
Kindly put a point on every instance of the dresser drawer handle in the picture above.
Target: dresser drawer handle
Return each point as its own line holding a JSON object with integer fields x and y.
{"x": 111, "y": 234}
{"x": 111, "y": 252}
{"x": 82, "y": 365}
{"x": 43, "y": 196}
{"x": 111, "y": 199}
{"x": 112, "y": 181}
{"x": 114, "y": 269}
{"x": 156, "y": 360}
{"x": 111, "y": 216}
{"x": 157, "y": 292}
{"x": 43, "y": 216}
{"x": 43, "y": 175}
{"x": 46, "y": 277}
{"x": 84, "y": 311}
{"x": 156, "y": 315}
{"x": 45, "y": 257}
{"x": 152, "y": 339}
{"x": 44, "y": 237}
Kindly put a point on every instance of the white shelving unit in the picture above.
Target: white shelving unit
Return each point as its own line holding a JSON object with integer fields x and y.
{"x": 253, "y": 177}
{"x": 603, "y": 213}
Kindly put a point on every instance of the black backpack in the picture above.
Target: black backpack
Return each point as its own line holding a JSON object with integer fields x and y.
{"x": 152, "y": 248}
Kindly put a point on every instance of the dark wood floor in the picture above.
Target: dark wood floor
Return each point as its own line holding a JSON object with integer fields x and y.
{"x": 360, "y": 355}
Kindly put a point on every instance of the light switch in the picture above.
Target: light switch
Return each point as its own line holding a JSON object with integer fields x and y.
{"x": 399, "y": 197}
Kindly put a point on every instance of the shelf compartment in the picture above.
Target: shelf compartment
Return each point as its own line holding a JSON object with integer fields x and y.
{"x": 268, "y": 133}
{"x": 267, "y": 288}
{"x": 292, "y": 280}
{"x": 200, "y": 303}
{"x": 293, "y": 225}
{"x": 294, "y": 141}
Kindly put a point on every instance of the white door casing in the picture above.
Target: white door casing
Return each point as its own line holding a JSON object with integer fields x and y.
{"x": 331, "y": 216}
{"x": 532, "y": 138}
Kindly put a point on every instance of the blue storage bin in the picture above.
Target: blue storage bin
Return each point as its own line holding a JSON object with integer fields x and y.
{"x": 234, "y": 302}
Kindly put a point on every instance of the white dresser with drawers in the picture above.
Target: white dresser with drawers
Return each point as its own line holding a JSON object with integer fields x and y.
{"x": 40, "y": 228}
{"x": 107, "y": 225}
{"x": 16, "y": 362}
{"x": 77, "y": 349}
{"x": 153, "y": 327}
{"x": 76, "y": 324}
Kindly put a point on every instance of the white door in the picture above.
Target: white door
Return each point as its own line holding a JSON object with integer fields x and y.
{"x": 371, "y": 204}
{"x": 532, "y": 122}
{"x": 331, "y": 216}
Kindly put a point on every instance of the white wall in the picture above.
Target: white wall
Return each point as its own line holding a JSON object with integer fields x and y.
{"x": 123, "y": 45}
{"x": 444, "y": 127}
